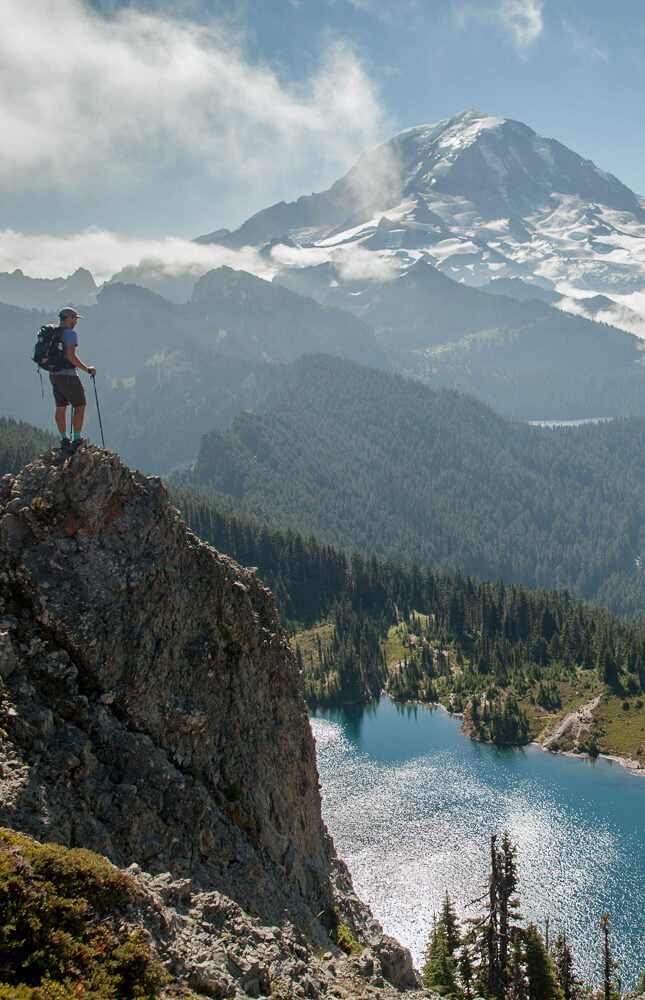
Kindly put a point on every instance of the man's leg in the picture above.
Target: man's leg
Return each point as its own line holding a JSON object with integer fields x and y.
{"x": 78, "y": 417}
{"x": 60, "y": 416}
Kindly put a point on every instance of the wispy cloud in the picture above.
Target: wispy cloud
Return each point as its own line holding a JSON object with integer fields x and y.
{"x": 390, "y": 13}
{"x": 154, "y": 263}
{"x": 522, "y": 19}
{"x": 93, "y": 101}
{"x": 519, "y": 20}
{"x": 353, "y": 263}
{"x": 582, "y": 42}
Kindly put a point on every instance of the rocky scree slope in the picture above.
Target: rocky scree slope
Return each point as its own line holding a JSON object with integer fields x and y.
{"x": 151, "y": 711}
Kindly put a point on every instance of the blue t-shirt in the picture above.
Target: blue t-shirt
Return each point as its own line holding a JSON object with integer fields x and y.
{"x": 69, "y": 338}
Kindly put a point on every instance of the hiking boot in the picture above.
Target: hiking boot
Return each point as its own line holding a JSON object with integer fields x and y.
{"x": 75, "y": 445}
{"x": 65, "y": 446}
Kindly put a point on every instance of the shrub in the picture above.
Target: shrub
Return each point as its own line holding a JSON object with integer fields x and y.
{"x": 60, "y": 931}
{"x": 341, "y": 935}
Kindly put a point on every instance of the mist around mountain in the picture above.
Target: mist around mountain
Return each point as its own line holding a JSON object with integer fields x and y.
{"x": 168, "y": 373}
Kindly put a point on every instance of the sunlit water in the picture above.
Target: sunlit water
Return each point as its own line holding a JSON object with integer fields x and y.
{"x": 411, "y": 804}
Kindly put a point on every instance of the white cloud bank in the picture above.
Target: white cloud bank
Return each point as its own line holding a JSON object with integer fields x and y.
{"x": 104, "y": 254}
{"x": 95, "y": 103}
{"x": 146, "y": 262}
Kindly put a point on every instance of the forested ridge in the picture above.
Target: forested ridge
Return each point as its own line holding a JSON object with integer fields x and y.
{"x": 372, "y": 462}
{"x": 20, "y": 443}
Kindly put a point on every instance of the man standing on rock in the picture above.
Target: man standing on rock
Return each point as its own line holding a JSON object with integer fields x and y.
{"x": 68, "y": 388}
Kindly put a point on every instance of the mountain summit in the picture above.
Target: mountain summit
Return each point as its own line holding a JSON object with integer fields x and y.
{"x": 480, "y": 198}
{"x": 502, "y": 167}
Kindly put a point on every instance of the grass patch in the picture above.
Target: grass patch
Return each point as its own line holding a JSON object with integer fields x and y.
{"x": 395, "y": 645}
{"x": 310, "y": 642}
{"x": 398, "y": 642}
{"x": 621, "y": 730}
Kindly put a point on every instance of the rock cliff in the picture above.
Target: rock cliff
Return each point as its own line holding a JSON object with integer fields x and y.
{"x": 151, "y": 711}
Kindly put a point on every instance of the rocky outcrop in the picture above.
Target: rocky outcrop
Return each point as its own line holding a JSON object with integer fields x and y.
{"x": 575, "y": 732}
{"x": 152, "y": 711}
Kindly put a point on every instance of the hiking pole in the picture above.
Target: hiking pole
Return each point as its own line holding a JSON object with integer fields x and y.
{"x": 98, "y": 409}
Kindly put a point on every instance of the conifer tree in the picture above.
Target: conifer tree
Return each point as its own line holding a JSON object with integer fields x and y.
{"x": 467, "y": 971}
{"x": 494, "y": 932}
{"x": 440, "y": 971}
{"x": 541, "y": 973}
{"x": 450, "y": 922}
{"x": 516, "y": 976}
{"x": 610, "y": 983}
{"x": 569, "y": 982}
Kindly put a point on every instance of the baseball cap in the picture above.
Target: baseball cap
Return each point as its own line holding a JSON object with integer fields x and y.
{"x": 65, "y": 313}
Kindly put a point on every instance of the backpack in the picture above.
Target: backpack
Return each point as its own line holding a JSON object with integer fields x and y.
{"x": 48, "y": 349}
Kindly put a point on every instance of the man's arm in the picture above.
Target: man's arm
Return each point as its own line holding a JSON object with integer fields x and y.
{"x": 70, "y": 354}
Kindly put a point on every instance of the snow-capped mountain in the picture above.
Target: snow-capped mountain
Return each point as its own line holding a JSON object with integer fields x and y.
{"x": 480, "y": 198}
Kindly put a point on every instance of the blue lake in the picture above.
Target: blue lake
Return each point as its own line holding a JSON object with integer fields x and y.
{"x": 411, "y": 804}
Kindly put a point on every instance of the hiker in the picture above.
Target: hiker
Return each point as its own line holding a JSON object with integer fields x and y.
{"x": 68, "y": 388}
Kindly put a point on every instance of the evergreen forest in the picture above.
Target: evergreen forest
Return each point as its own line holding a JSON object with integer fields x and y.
{"x": 20, "y": 443}
{"x": 371, "y": 462}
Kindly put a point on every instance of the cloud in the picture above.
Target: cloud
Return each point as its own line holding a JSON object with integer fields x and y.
{"x": 522, "y": 20}
{"x": 105, "y": 253}
{"x": 358, "y": 264}
{"x": 95, "y": 102}
{"x": 353, "y": 262}
{"x": 173, "y": 263}
{"x": 519, "y": 20}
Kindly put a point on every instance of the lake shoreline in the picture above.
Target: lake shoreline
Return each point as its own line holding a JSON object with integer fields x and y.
{"x": 628, "y": 763}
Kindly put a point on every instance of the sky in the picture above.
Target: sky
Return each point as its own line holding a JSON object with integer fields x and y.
{"x": 133, "y": 126}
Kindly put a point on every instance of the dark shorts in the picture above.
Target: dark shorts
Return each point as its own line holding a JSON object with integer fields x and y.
{"x": 68, "y": 390}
